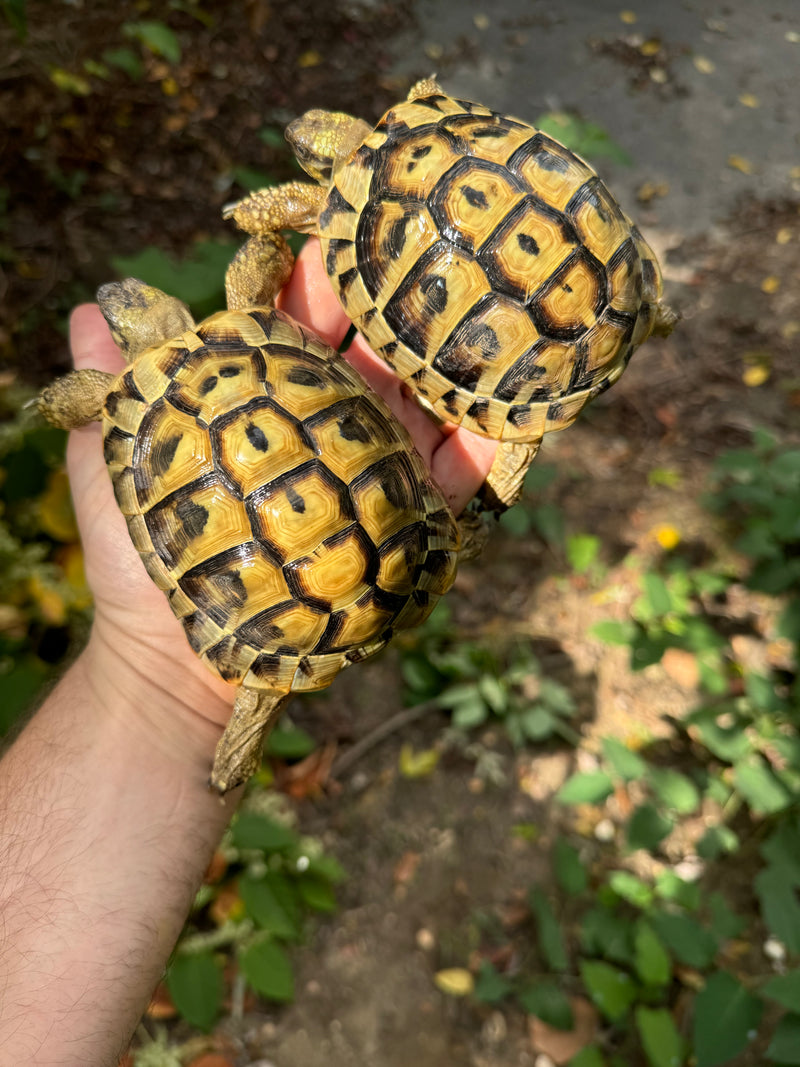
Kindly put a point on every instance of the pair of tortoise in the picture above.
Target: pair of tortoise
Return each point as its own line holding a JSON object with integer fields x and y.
{"x": 274, "y": 499}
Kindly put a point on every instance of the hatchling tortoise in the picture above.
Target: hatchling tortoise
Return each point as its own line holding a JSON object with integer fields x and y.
{"x": 272, "y": 496}
{"x": 481, "y": 259}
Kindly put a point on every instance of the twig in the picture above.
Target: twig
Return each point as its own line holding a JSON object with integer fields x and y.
{"x": 381, "y": 731}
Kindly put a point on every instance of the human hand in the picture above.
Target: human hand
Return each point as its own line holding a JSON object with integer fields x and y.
{"x": 138, "y": 644}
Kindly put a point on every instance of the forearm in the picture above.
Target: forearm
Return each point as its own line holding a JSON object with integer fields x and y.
{"x": 106, "y": 828}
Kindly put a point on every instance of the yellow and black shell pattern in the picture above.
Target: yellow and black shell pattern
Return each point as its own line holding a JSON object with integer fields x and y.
{"x": 488, "y": 265}
{"x": 278, "y": 504}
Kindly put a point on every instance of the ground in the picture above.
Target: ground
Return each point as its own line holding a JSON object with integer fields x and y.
{"x": 704, "y": 114}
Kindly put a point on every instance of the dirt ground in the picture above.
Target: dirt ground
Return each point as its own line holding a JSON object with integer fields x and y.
{"x": 137, "y": 162}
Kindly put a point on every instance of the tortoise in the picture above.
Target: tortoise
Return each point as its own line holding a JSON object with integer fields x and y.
{"x": 274, "y": 498}
{"x": 481, "y": 259}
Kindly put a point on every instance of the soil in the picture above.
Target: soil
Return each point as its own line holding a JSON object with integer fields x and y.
{"x": 437, "y": 876}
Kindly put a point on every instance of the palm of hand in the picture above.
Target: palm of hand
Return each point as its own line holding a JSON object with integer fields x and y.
{"x": 132, "y": 614}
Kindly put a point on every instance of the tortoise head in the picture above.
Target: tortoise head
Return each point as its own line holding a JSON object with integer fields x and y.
{"x": 141, "y": 316}
{"x": 324, "y": 140}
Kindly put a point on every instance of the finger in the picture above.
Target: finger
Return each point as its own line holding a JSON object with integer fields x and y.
{"x": 460, "y": 465}
{"x": 309, "y": 297}
{"x": 91, "y": 342}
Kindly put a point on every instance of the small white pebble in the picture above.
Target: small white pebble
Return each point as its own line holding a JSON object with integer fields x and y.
{"x": 303, "y": 863}
{"x": 543, "y": 1061}
{"x": 425, "y": 939}
{"x": 605, "y": 830}
{"x": 774, "y": 949}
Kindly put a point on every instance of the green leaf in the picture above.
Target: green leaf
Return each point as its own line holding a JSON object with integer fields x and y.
{"x": 785, "y": 1045}
{"x": 652, "y": 961}
{"x": 537, "y": 723}
{"x": 548, "y": 521}
{"x": 126, "y": 60}
{"x": 780, "y": 908}
{"x": 548, "y": 1002}
{"x": 155, "y": 36}
{"x": 491, "y": 987}
{"x": 688, "y": 941}
{"x": 317, "y": 893}
{"x": 493, "y": 692}
{"x": 725, "y": 1019}
{"x": 765, "y": 794}
{"x": 614, "y": 633}
{"x": 725, "y": 923}
{"x": 582, "y": 550}
{"x": 670, "y": 887}
{"x": 251, "y": 179}
{"x": 590, "y": 1056}
{"x": 660, "y": 1038}
{"x": 14, "y": 11}
{"x": 626, "y": 764}
{"x": 630, "y": 888}
{"x": 604, "y": 933}
{"x": 784, "y": 989}
{"x": 674, "y": 790}
{"x": 570, "y": 872}
{"x": 272, "y": 136}
{"x": 717, "y": 841}
{"x": 581, "y": 136}
{"x": 253, "y": 831}
{"x": 613, "y": 991}
{"x": 551, "y": 940}
{"x": 326, "y": 867}
{"x": 657, "y": 594}
{"x": 267, "y": 968}
{"x": 589, "y": 787}
{"x": 290, "y": 742}
{"x": 782, "y": 848}
{"x": 265, "y": 909}
{"x": 195, "y": 984}
{"x": 516, "y": 521}
{"x": 647, "y": 828}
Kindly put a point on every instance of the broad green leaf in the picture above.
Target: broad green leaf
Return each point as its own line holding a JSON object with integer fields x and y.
{"x": 251, "y": 178}
{"x": 548, "y": 521}
{"x": 516, "y": 521}
{"x": 551, "y": 940}
{"x": 725, "y": 923}
{"x": 780, "y": 908}
{"x": 253, "y": 831}
{"x": 15, "y": 13}
{"x": 785, "y": 989}
{"x": 725, "y": 1020}
{"x": 785, "y": 1045}
{"x": 589, "y": 787}
{"x": 717, "y": 841}
{"x": 690, "y": 942}
{"x": 583, "y": 137}
{"x": 570, "y": 872}
{"x": 491, "y": 987}
{"x": 290, "y": 742}
{"x": 317, "y": 892}
{"x": 660, "y": 1038}
{"x": 591, "y": 1056}
{"x": 582, "y": 550}
{"x": 613, "y": 991}
{"x": 604, "y": 933}
{"x": 674, "y": 790}
{"x": 272, "y": 136}
{"x": 493, "y": 692}
{"x": 657, "y": 594}
{"x": 155, "y": 36}
{"x": 413, "y": 764}
{"x": 782, "y": 848}
{"x": 195, "y": 984}
{"x": 728, "y": 743}
{"x": 625, "y": 763}
{"x": 631, "y": 888}
{"x": 670, "y": 887}
{"x": 614, "y": 633}
{"x": 548, "y": 1002}
{"x": 266, "y": 967}
{"x": 647, "y": 828}
{"x": 126, "y": 60}
{"x": 652, "y": 961}
{"x": 265, "y": 909}
{"x": 326, "y": 867}
{"x": 765, "y": 794}
{"x": 537, "y": 723}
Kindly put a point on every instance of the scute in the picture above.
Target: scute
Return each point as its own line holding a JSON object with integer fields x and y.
{"x": 488, "y": 265}
{"x": 284, "y": 512}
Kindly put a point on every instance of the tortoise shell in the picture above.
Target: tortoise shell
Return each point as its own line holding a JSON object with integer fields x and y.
{"x": 488, "y": 265}
{"x": 277, "y": 503}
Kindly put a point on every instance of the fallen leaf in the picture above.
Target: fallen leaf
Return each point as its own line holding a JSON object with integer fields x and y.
{"x": 454, "y": 981}
{"x": 308, "y": 777}
{"x": 749, "y": 100}
{"x": 681, "y": 666}
{"x": 311, "y": 58}
{"x": 210, "y": 1059}
{"x": 771, "y": 284}
{"x": 755, "y": 376}
{"x": 216, "y": 868}
{"x": 740, "y": 163}
{"x": 704, "y": 65}
{"x": 406, "y": 867}
{"x": 417, "y": 764}
{"x": 562, "y": 1045}
{"x": 783, "y": 236}
{"x": 481, "y": 22}
{"x": 161, "y": 1006}
{"x": 56, "y": 516}
{"x": 628, "y": 17}
{"x": 651, "y": 47}
{"x": 226, "y": 905}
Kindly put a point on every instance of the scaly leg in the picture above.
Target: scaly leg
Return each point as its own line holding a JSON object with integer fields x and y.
{"x": 503, "y": 485}
{"x": 258, "y": 271}
{"x": 75, "y": 399}
{"x": 238, "y": 754}
{"x": 291, "y": 206}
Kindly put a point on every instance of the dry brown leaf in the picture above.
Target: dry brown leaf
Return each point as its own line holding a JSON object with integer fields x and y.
{"x": 681, "y": 666}
{"x": 161, "y": 1006}
{"x": 211, "y": 1059}
{"x": 562, "y": 1045}
{"x": 406, "y": 867}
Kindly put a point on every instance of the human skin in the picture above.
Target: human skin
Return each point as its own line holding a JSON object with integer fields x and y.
{"x": 106, "y": 821}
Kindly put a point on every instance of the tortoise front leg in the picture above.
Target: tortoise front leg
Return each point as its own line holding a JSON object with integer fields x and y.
{"x": 291, "y": 206}
{"x": 238, "y": 753}
{"x": 76, "y": 398}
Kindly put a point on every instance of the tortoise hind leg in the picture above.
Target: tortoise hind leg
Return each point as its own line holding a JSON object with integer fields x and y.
{"x": 503, "y": 485}
{"x": 258, "y": 271}
{"x": 238, "y": 753}
{"x": 75, "y": 399}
